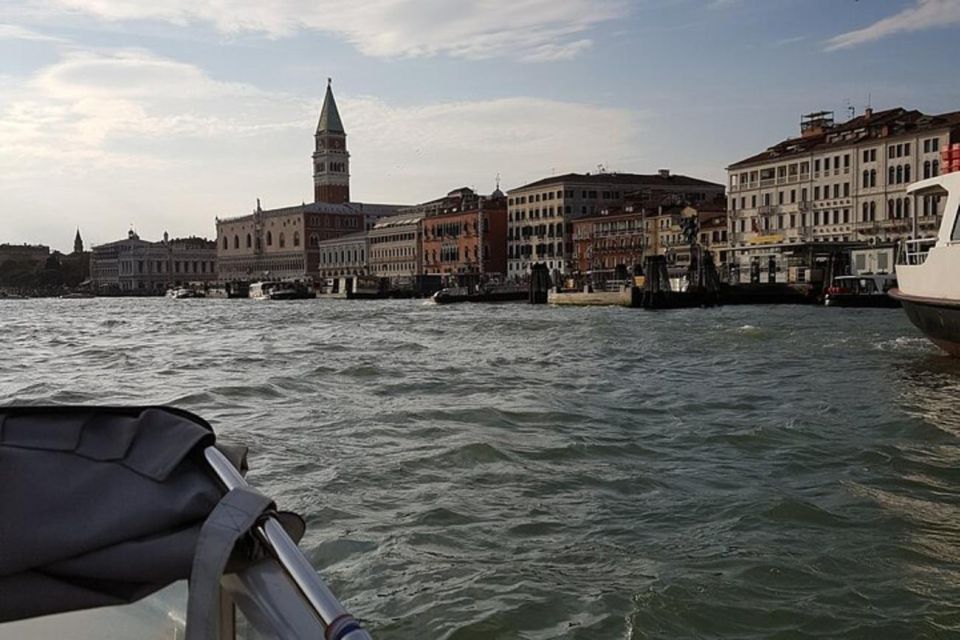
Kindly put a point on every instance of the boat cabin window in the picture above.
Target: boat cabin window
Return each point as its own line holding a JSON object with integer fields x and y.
{"x": 955, "y": 235}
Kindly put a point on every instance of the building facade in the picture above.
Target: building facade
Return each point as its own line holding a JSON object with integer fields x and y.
{"x": 607, "y": 240}
{"x": 470, "y": 238}
{"x": 133, "y": 265}
{"x": 839, "y": 183}
{"x": 345, "y": 256}
{"x": 281, "y": 243}
{"x": 540, "y": 215}
{"x": 32, "y": 254}
{"x": 396, "y": 248}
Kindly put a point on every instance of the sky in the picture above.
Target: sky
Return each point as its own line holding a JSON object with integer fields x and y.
{"x": 162, "y": 115}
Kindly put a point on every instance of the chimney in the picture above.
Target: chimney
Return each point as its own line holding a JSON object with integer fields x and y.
{"x": 664, "y": 173}
{"x": 868, "y": 112}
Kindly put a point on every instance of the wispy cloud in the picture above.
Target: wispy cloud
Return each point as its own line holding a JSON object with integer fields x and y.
{"x": 128, "y": 136}
{"x": 925, "y": 14}
{"x": 531, "y": 30}
{"x": 16, "y": 32}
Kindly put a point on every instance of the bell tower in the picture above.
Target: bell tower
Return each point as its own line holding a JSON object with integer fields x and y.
{"x": 331, "y": 162}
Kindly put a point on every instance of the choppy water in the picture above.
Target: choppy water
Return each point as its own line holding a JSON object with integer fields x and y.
{"x": 531, "y": 472}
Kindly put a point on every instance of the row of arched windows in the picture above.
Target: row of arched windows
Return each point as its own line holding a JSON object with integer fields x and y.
{"x": 898, "y": 174}
{"x": 282, "y": 240}
{"x": 931, "y": 169}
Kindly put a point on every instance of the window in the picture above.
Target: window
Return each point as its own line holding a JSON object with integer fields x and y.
{"x": 906, "y": 173}
{"x": 873, "y": 177}
{"x": 866, "y": 178}
{"x": 269, "y": 239}
{"x": 816, "y": 193}
{"x": 906, "y": 207}
{"x": 846, "y": 189}
{"x": 249, "y": 241}
{"x": 899, "y": 174}
{"x": 936, "y": 168}
{"x": 891, "y": 174}
{"x": 225, "y": 237}
{"x": 906, "y": 149}
{"x": 926, "y": 169}
{"x": 236, "y": 242}
{"x": 296, "y": 238}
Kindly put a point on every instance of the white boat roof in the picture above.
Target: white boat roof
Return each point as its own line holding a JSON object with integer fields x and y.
{"x": 938, "y": 185}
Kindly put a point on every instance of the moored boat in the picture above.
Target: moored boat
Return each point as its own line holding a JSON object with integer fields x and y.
{"x": 928, "y": 282}
{"x": 865, "y": 290}
{"x": 280, "y": 290}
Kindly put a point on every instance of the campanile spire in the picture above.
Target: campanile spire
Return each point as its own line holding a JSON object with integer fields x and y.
{"x": 331, "y": 161}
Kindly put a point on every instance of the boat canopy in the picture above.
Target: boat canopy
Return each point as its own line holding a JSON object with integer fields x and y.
{"x": 104, "y": 506}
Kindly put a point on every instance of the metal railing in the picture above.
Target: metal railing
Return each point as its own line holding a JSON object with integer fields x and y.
{"x": 914, "y": 251}
{"x": 338, "y": 624}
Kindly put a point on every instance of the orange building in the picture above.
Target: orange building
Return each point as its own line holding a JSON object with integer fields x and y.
{"x": 452, "y": 239}
{"x": 606, "y": 240}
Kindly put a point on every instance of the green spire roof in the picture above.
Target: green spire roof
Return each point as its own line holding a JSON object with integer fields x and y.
{"x": 329, "y": 116}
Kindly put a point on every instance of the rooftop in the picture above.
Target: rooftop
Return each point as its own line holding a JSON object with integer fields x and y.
{"x": 868, "y": 126}
{"x": 662, "y": 179}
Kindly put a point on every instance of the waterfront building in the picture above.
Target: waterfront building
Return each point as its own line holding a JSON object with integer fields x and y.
{"x": 281, "y": 243}
{"x": 285, "y": 242}
{"x": 396, "y": 245}
{"x": 609, "y": 240}
{"x": 840, "y": 184}
{"x": 712, "y": 225}
{"x": 34, "y": 255}
{"x": 344, "y": 256}
{"x": 540, "y": 215}
{"x": 133, "y": 265}
{"x": 469, "y": 236}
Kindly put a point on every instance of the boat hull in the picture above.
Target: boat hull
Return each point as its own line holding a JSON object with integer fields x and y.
{"x": 874, "y": 301}
{"x": 938, "y": 319}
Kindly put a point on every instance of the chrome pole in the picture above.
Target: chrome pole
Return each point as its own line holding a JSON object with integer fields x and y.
{"x": 272, "y": 534}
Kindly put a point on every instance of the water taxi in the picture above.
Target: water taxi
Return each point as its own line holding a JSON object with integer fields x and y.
{"x": 865, "y": 290}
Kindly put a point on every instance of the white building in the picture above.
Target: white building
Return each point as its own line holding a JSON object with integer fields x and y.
{"x": 839, "y": 183}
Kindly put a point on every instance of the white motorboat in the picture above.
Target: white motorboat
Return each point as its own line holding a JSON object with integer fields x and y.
{"x": 929, "y": 276}
{"x": 279, "y": 290}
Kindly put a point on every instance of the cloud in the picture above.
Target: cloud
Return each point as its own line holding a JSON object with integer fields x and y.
{"x": 103, "y": 140}
{"x": 925, "y": 14}
{"x": 15, "y": 32}
{"x": 532, "y": 30}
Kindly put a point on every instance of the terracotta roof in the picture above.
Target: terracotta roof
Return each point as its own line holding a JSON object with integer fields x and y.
{"x": 877, "y": 125}
{"x": 622, "y": 179}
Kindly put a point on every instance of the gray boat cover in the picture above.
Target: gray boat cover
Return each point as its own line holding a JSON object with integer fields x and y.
{"x": 103, "y": 506}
